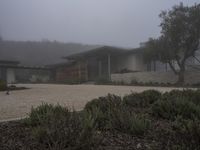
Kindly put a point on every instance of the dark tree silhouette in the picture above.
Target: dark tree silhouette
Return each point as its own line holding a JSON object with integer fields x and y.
{"x": 179, "y": 38}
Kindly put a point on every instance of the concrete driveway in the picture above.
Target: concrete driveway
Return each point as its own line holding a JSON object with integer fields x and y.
{"x": 19, "y": 103}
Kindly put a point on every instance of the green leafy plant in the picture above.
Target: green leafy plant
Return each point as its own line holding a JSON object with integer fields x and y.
{"x": 128, "y": 122}
{"x": 143, "y": 99}
{"x": 104, "y": 103}
{"x": 100, "y": 109}
{"x": 171, "y": 108}
{"x": 109, "y": 113}
{"x": 188, "y": 132}
{"x": 55, "y": 127}
{"x": 44, "y": 113}
{"x": 190, "y": 95}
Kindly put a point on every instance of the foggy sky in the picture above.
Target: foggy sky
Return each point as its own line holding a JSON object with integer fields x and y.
{"x": 123, "y": 23}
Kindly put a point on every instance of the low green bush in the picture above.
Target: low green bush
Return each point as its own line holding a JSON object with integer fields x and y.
{"x": 100, "y": 109}
{"x": 179, "y": 93}
{"x": 190, "y": 95}
{"x": 109, "y": 113}
{"x": 188, "y": 132}
{"x": 127, "y": 122}
{"x": 104, "y": 103}
{"x": 171, "y": 108}
{"x": 55, "y": 127}
{"x": 195, "y": 97}
{"x": 152, "y": 95}
{"x": 3, "y": 86}
{"x": 101, "y": 118}
{"x": 143, "y": 99}
{"x": 44, "y": 113}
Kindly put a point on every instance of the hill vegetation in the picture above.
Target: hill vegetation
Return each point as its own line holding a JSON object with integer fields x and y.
{"x": 39, "y": 53}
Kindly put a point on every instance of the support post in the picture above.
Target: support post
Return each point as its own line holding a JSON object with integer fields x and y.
{"x": 100, "y": 69}
{"x": 109, "y": 71}
{"x": 166, "y": 67}
{"x": 154, "y": 65}
{"x": 79, "y": 72}
{"x": 86, "y": 67}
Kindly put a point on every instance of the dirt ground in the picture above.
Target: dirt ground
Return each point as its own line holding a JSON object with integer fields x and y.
{"x": 18, "y": 104}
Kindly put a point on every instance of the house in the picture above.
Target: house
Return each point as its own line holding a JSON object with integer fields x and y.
{"x": 69, "y": 72}
{"x": 86, "y": 66}
{"x": 98, "y": 63}
{"x": 117, "y": 64}
{"x": 111, "y": 63}
{"x": 13, "y": 72}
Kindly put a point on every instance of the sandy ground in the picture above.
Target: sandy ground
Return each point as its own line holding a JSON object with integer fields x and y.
{"x": 18, "y": 104}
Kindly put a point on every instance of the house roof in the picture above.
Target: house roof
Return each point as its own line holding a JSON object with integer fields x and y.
{"x": 139, "y": 50}
{"x": 66, "y": 63}
{"x": 25, "y": 67}
{"x": 103, "y": 52}
{"x": 16, "y": 64}
{"x": 98, "y": 53}
{"x": 8, "y": 62}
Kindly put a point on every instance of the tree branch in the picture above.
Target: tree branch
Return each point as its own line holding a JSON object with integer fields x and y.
{"x": 172, "y": 67}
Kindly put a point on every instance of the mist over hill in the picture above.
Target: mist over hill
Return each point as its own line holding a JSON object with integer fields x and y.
{"x": 39, "y": 53}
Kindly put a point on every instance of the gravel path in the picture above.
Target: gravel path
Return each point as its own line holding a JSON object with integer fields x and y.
{"x": 19, "y": 103}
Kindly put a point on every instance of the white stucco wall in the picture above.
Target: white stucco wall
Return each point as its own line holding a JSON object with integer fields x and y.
{"x": 191, "y": 77}
{"x": 10, "y": 75}
{"x": 132, "y": 62}
{"x": 39, "y": 78}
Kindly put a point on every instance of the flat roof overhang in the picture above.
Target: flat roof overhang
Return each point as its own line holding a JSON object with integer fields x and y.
{"x": 25, "y": 67}
{"x": 103, "y": 52}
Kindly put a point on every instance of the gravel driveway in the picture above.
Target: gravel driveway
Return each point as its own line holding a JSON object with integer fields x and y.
{"x": 19, "y": 103}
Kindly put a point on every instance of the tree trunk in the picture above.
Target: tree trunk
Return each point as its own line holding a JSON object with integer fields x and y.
{"x": 181, "y": 77}
{"x": 180, "y": 73}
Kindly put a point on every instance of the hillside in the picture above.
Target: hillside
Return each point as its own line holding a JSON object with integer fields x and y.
{"x": 39, "y": 53}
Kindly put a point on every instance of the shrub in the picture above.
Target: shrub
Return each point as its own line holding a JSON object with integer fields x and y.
{"x": 100, "y": 109}
{"x": 102, "y": 119}
{"x": 104, "y": 103}
{"x": 124, "y": 121}
{"x": 143, "y": 99}
{"x": 195, "y": 96}
{"x": 152, "y": 95}
{"x": 3, "y": 86}
{"x": 170, "y": 109}
{"x": 190, "y": 95}
{"x": 55, "y": 127}
{"x": 44, "y": 113}
{"x": 109, "y": 114}
{"x": 188, "y": 132}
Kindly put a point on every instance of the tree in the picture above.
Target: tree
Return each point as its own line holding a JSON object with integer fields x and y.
{"x": 179, "y": 38}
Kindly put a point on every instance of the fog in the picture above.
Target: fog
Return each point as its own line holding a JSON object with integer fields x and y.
{"x": 123, "y": 23}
